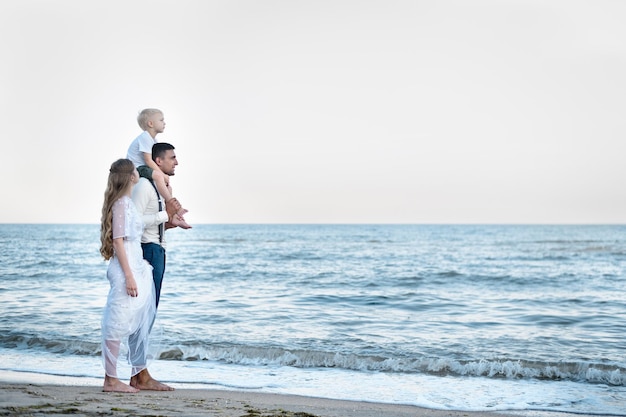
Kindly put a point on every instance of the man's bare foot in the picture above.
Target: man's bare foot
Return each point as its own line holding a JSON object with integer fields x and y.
{"x": 144, "y": 381}
{"x": 115, "y": 385}
{"x": 180, "y": 222}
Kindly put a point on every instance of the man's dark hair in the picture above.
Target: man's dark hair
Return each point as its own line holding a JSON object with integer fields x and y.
{"x": 159, "y": 149}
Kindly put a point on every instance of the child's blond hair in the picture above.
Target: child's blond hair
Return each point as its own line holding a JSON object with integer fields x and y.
{"x": 145, "y": 115}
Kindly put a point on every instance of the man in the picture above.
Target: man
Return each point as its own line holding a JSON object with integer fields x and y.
{"x": 157, "y": 217}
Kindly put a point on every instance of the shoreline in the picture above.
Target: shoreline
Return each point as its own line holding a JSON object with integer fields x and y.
{"x": 22, "y": 395}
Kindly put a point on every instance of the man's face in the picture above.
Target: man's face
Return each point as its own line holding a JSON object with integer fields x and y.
{"x": 168, "y": 162}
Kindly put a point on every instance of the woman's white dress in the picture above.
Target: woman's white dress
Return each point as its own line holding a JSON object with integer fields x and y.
{"x": 127, "y": 320}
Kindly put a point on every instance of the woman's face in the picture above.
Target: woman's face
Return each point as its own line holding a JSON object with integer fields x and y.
{"x": 134, "y": 179}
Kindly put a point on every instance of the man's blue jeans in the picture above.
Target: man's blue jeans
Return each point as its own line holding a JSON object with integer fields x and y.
{"x": 155, "y": 255}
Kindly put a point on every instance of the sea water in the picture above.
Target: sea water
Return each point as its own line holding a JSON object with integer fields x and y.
{"x": 456, "y": 317}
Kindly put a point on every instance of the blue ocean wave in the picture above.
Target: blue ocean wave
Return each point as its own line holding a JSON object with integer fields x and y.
{"x": 503, "y": 368}
{"x": 595, "y": 373}
{"x": 67, "y": 346}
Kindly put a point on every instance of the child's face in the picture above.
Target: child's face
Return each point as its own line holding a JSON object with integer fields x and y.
{"x": 157, "y": 122}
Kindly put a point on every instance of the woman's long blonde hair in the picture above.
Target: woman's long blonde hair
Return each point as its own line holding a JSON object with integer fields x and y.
{"x": 120, "y": 177}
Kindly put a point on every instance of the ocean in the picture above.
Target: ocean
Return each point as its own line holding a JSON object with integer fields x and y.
{"x": 522, "y": 318}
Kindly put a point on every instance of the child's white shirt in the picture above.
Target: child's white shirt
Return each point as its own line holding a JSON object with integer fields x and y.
{"x": 142, "y": 144}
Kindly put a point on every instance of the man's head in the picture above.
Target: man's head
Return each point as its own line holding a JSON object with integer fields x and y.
{"x": 151, "y": 119}
{"x": 164, "y": 156}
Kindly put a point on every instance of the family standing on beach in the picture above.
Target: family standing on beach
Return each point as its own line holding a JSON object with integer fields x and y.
{"x": 138, "y": 208}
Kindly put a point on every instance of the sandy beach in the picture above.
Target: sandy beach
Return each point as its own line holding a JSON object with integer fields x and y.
{"x": 39, "y": 400}
{"x": 20, "y": 395}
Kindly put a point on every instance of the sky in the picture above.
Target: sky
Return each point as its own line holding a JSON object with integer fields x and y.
{"x": 325, "y": 111}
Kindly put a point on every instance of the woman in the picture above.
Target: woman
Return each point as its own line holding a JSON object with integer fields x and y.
{"x": 130, "y": 308}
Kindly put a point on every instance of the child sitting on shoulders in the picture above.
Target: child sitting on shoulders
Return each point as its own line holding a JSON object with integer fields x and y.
{"x": 152, "y": 122}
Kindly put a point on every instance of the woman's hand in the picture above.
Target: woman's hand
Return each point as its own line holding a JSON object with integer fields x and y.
{"x": 131, "y": 286}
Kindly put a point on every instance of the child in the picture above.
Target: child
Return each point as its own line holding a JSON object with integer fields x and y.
{"x": 152, "y": 122}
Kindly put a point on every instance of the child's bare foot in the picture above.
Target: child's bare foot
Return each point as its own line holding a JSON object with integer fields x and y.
{"x": 180, "y": 222}
{"x": 172, "y": 206}
{"x": 115, "y": 385}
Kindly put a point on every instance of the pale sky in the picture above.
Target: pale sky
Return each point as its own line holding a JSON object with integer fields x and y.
{"x": 338, "y": 111}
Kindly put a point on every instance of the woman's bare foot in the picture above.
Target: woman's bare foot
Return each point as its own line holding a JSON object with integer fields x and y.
{"x": 115, "y": 385}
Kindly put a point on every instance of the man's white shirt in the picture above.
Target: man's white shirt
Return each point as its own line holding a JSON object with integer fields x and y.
{"x": 145, "y": 198}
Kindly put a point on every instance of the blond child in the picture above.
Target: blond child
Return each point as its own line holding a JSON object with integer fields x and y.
{"x": 152, "y": 121}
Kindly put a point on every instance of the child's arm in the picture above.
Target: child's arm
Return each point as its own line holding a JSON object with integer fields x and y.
{"x": 147, "y": 158}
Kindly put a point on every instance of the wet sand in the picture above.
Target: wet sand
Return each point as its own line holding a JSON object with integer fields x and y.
{"x": 28, "y": 399}
{"x": 34, "y": 400}
{"x": 34, "y": 394}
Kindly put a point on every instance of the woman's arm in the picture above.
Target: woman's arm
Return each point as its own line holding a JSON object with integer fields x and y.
{"x": 131, "y": 284}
